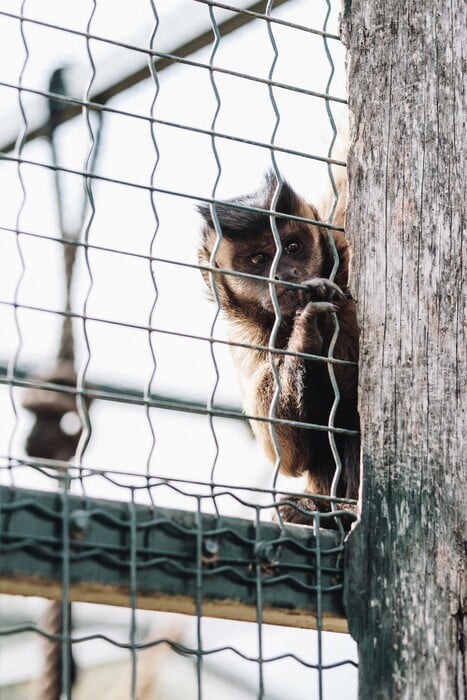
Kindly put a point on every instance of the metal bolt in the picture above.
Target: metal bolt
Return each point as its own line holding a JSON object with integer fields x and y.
{"x": 267, "y": 553}
{"x": 210, "y": 546}
{"x": 80, "y": 524}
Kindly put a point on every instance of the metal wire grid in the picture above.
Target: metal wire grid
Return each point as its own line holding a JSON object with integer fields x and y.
{"x": 179, "y": 553}
{"x": 199, "y": 491}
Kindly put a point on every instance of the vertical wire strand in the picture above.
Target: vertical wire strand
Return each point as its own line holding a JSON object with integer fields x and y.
{"x": 319, "y": 601}
{"x": 133, "y": 596}
{"x": 212, "y": 260}
{"x": 92, "y": 159}
{"x": 148, "y": 388}
{"x": 259, "y": 607}
{"x": 199, "y": 598}
{"x": 82, "y": 406}
{"x": 274, "y": 263}
{"x": 331, "y": 371}
{"x": 11, "y": 370}
{"x": 81, "y": 403}
{"x": 65, "y": 634}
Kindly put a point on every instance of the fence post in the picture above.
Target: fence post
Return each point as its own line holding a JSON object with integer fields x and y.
{"x": 406, "y": 595}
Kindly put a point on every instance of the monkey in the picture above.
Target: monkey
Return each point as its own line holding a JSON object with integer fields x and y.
{"x": 247, "y": 245}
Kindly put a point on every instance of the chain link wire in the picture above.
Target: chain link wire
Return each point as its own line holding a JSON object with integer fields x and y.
{"x": 120, "y": 522}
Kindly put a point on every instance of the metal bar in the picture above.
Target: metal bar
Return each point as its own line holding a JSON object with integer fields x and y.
{"x": 163, "y": 402}
{"x": 124, "y": 394}
{"x": 54, "y": 468}
{"x": 180, "y": 334}
{"x": 104, "y": 537}
{"x": 97, "y": 107}
{"x": 173, "y": 193}
{"x": 166, "y": 261}
{"x": 127, "y": 81}
{"x": 269, "y": 19}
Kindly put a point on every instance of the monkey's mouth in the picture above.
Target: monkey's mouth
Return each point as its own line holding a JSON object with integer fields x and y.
{"x": 288, "y": 299}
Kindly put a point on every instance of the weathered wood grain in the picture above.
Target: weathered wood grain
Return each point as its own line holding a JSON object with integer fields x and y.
{"x": 406, "y": 595}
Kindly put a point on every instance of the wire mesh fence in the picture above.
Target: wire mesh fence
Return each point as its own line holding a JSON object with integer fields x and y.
{"x": 129, "y": 473}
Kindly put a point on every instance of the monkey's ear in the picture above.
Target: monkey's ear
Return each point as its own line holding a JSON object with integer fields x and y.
{"x": 289, "y": 202}
{"x": 224, "y": 214}
{"x": 205, "y": 212}
{"x": 235, "y": 217}
{"x": 204, "y": 257}
{"x": 243, "y": 216}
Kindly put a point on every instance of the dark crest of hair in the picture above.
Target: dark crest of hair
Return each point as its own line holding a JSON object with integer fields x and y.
{"x": 238, "y": 222}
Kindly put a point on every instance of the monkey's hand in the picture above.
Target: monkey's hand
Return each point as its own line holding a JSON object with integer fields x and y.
{"x": 323, "y": 291}
{"x": 321, "y": 298}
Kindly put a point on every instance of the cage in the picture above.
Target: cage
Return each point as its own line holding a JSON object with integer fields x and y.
{"x": 140, "y": 521}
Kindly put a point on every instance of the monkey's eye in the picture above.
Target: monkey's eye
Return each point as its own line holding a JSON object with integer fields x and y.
{"x": 292, "y": 248}
{"x": 259, "y": 258}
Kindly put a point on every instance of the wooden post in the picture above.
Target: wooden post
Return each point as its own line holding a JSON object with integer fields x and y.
{"x": 406, "y": 596}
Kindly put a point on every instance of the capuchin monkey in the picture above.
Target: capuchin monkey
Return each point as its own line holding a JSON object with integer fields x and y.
{"x": 307, "y": 326}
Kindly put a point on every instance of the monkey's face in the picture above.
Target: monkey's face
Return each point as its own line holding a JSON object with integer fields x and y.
{"x": 301, "y": 259}
{"x": 247, "y": 245}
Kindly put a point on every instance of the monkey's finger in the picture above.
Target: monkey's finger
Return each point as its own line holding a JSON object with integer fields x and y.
{"x": 320, "y": 307}
{"x": 324, "y": 289}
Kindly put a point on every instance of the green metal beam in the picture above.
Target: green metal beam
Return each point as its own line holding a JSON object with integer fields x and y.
{"x": 164, "y": 559}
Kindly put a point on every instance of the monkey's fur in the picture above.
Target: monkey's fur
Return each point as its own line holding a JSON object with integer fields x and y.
{"x": 307, "y": 326}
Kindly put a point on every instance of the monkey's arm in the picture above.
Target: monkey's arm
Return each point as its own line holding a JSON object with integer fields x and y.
{"x": 305, "y": 392}
{"x": 291, "y": 441}
{"x": 301, "y": 385}
{"x": 318, "y": 397}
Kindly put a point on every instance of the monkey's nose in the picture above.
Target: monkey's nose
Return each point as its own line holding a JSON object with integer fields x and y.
{"x": 287, "y": 277}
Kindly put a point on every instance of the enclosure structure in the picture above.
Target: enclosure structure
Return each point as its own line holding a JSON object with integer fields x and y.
{"x": 129, "y": 476}
{"x": 157, "y": 500}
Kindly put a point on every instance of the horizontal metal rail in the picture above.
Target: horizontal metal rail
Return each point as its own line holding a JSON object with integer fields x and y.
{"x": 125, "y": 394}
{"x": 141, "y": 73}
{"x": 92, "y": 391}
{"x": 171, "y": 551}
{"x": 173, "y": 193}
{"x": 55, "y": 468}
{"x": 67, "y": 100}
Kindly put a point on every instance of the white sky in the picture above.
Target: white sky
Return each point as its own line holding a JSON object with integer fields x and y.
{"x": 122, "y": 289}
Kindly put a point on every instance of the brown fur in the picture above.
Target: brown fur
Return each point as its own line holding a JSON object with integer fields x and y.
{"x": 247, "y": 245}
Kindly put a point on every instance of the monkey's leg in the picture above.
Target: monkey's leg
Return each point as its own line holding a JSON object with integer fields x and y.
{"x": 301, "y": 510}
